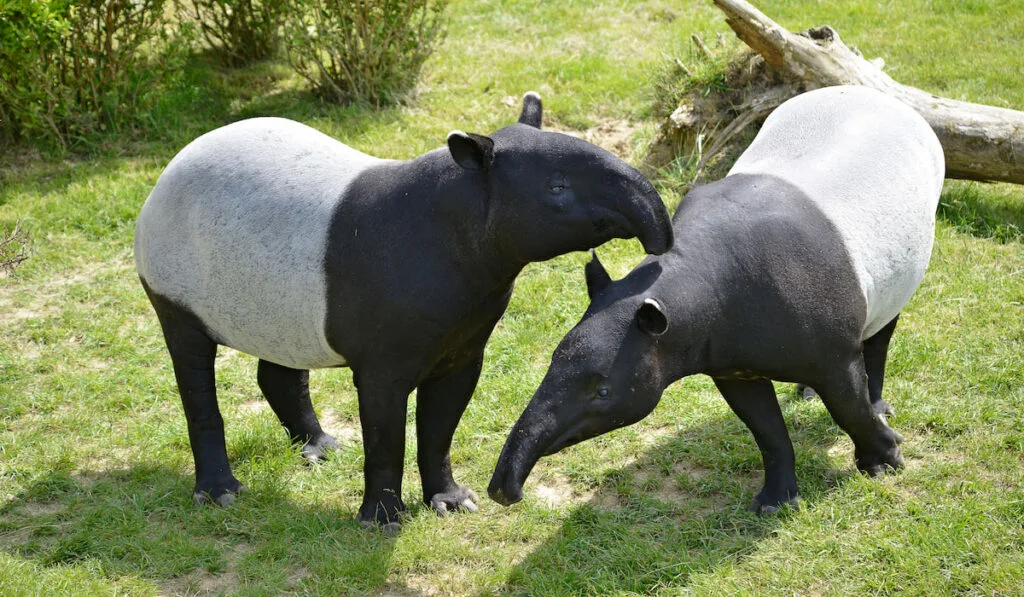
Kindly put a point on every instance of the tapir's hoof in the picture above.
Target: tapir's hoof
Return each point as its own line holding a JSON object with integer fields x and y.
{"x": 764, "y": 506}
{"x": 806, "y": 392}
{"x": 218, "y": 497}
{"x": 876, "y": 466}
{"x": 883, "y": 408}
{"x": 385, "y": 513}
{"x": 462, "y": 498}
{"x": 316, "y": 450}
{"x": 389, "y": 529}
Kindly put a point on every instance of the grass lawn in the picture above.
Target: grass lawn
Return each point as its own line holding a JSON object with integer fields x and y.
{"x": 95, "y": 467}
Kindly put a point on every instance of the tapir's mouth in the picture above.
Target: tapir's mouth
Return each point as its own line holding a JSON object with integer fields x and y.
{"x": 506, "y": 485}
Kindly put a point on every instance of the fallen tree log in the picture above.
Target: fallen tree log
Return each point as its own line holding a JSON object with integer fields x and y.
{"x": 980, "y": 142}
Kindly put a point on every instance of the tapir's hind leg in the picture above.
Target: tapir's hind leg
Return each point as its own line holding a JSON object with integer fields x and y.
{"x": 192, "y": 353}
{"x": 287, "y": 391}
{"x": 440, "y": 402}
{"x": 876, "y": 348}
{"x": 754, "y": 402}
{"x": 876, "y": 446}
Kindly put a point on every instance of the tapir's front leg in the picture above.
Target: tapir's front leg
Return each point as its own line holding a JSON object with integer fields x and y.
{"x": 440, "y": 402}
{"x": 754, "y": 402}
{"x": 382, "y": 410}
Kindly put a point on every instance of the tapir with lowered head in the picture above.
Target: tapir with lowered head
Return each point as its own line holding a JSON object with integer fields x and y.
{"x": 794, "y": 267}
{"x": 276, "y": 240}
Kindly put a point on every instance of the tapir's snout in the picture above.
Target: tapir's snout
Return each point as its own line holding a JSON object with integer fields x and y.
{"x": 651, "y": 221}
{"x": 656, "y": 235}
{"x": 518, "y": 456}
{"x": 506, "y": 496}
{"x": 506, "y": 485}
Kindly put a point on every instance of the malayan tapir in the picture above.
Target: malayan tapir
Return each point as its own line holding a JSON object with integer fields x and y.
{"x": 274, "y": 239}
{"x": 794, "y": 267}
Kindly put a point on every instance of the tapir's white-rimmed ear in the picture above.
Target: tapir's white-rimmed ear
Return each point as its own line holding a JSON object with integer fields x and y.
{"x": 472, "y": 152}
{"x": 651, "y": 318}
{"x": 533, "y": 111}
{"x": 597, "y": 277}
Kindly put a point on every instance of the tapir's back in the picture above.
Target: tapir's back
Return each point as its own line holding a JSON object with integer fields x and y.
{"x": 236, "y": 230}
{"x": 875, "y": 168}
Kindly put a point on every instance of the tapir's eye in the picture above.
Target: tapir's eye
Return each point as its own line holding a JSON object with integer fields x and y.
{"x": 557, "y": 184}
{"x": 603, "y": 391}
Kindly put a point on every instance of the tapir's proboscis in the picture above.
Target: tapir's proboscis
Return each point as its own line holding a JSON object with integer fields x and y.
{"x": 794, "y": 267}
{"x": 272, "y": 238}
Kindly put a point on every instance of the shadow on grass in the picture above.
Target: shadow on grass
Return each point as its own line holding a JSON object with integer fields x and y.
{"x": 139, "y": 522}
{"x": 679, "y": 511}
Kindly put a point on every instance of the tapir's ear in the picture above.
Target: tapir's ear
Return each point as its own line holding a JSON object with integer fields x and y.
{"x": 472, "y": 152}
{"x": 651, "y": 318}
{"x": 597, "y": 277}
{"x": 532, "y": 110}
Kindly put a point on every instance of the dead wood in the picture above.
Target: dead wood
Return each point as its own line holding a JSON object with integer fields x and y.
{"x": 980, "y": 142}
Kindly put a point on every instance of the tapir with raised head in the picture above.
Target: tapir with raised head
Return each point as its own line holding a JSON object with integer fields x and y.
{"x": 279, "y": 241}
{"x": 794, "y": 267}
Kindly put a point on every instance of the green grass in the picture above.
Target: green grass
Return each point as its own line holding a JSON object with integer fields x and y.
{"x": 95, "y": 468}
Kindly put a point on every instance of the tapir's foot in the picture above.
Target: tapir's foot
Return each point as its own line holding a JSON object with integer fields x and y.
{"x": 385, "y": 514}
{"x": 461, "y": 498}
{"x": 222, "y": 493}
{"x": 765, "y": 504}
{"x": 878, "y": 464}
{"x": 319, "y": 448}
{"x": 806, "y": 392}
{"x": 882, "y": 408}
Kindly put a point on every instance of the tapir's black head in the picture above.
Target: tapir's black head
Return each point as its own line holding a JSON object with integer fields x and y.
{"x": 605, "y": 374}
{"x": 550, "y": 193}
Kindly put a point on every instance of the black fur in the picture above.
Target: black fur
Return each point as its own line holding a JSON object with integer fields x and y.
{"x": 420, "y": 264}
{"x": 758, "y": 287}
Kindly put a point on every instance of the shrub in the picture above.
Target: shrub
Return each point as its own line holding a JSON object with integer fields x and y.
{"x": 13, "y": 248}
{"x": 363, "y": 50}
{"x": 70, "y": 69}
{"x": 241, "y": 31}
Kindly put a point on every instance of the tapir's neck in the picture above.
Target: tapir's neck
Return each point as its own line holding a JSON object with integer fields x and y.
{"x": 693, "y": 302}
{"x": 438, "y": 194}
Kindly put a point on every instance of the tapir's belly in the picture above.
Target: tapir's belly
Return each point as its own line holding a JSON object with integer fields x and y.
{"x": 875, "y": 169}
{"x": 236, "y": 232}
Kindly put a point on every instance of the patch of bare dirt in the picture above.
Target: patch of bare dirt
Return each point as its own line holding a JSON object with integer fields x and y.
{"x": 48, "y": 294}
{"x": 404, "y": 591}
{"x": 201, "y": 582}
{"x": 344, "y": 428}
{"x": 556, "y": 491}
{"x": 452, "y": 579}
{"x": 612, "y": 134}
{"x": 34, "y": 509}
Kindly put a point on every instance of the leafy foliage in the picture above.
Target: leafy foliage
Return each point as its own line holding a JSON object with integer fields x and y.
{"x": 13, "y": 248}
{"x": 242, "y": 31}
{"x": 363, "y": 50}
{"x": 72, "y": 68}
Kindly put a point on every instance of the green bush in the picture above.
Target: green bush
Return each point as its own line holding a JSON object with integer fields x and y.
{"x": 241, "y": 31}
{"x": 13, "y": 248}
{"x": 70, "y": 69}
{"x": 363, "y": 50}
